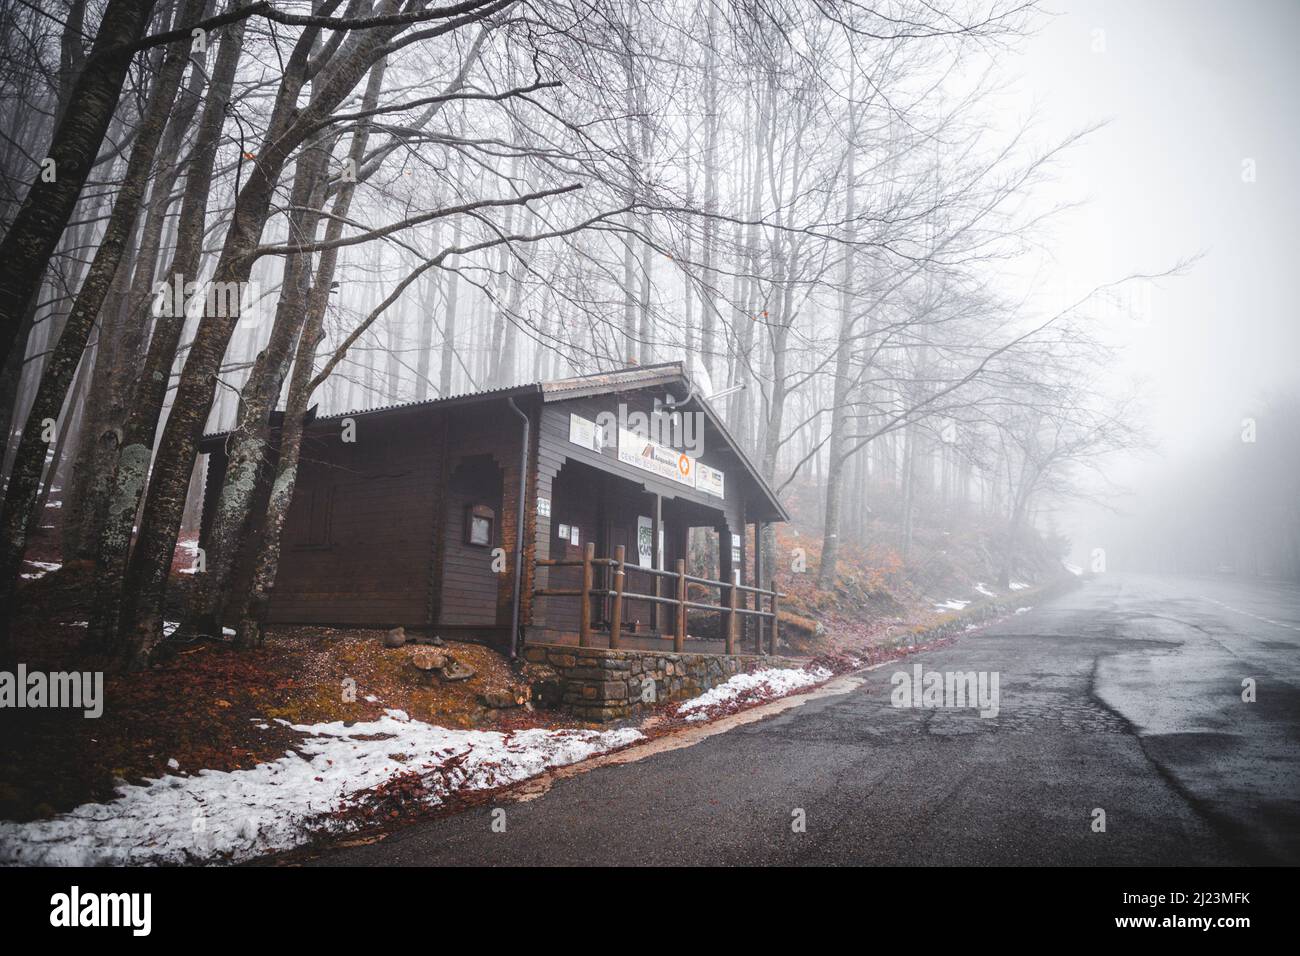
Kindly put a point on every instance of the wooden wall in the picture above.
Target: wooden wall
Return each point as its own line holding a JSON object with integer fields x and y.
{"x": 358, "y": 542}
{"x": 364, "y": 539}
{"x": 469, "y": 585}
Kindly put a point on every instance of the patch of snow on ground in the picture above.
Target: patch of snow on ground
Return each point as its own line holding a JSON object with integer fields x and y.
{"x": 1018, "y": 585}
{"x": 219, "y": 816}
{"x": 980, "y": 587}
{"x": 766, "y": 684}
{"x": 1072, "y": 568}
{"x": 1023, "y": 610}
{"x": 42, "y": 568}
{"x": 953, "y": 605}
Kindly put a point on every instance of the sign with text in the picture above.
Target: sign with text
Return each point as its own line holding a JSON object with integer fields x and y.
{"x": 653, "y": 457}
{"x": 583, "y": 431}
{"x": 709, "y": 480}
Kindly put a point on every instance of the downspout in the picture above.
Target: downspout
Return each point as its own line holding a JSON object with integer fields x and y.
{"x": 519, "y": 529}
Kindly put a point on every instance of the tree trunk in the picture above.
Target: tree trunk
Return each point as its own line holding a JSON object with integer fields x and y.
{"x": 24, "y": 480}
{"x": 35, "y": 231}
{"x": 709, "y": 304}
{"x": 300, "y": 300}
{"x": 247, "y": 443}
{"x": 449, "y": 320}
{"x": 122, "y": 345}
{"x": 133, "y": 450}
{"x": 837, "y": 441}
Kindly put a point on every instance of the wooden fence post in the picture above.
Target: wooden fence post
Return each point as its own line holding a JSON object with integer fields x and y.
{"x": 732, "y": 616}
{"x": 776, "y": 617}
{"x": 584, "y": 601}
{"x": 679, "y": 638}
{"x": 616, "y": 621}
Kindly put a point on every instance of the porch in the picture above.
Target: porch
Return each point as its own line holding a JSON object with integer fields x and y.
{"x": 682, "y": 618}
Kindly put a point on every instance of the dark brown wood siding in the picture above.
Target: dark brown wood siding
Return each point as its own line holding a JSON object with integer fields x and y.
{"x": 358, "y": 538}
{"x": 469, "y": 583}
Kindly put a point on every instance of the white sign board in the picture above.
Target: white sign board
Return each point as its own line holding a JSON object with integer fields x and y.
{"x": 653, "y": 457}
{"x": 709, "y": 480}
{"x": 583, "y": 431}
{"x": 644, "y": 535}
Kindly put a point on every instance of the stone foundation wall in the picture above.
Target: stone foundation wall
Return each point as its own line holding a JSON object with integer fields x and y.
{"x": 595, "y": 683}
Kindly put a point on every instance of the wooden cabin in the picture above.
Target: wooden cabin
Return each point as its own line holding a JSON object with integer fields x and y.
{"x": 409, "y": 515}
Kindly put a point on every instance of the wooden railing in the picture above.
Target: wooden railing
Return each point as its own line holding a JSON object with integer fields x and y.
{"x": 732, "y": 609}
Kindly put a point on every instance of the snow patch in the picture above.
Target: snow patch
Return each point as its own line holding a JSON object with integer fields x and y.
{"x": 42, "y": 568}
{"x": 951, "y": 605}
{"x": 760, "y": 685}
{"x": 1018, "y": 585}
{"x": 982, "y": 589}
{"x": 218, "y": 816}
{"x": 1072, "y": 568}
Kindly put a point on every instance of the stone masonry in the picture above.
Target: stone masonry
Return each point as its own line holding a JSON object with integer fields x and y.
{"x": 598, "y": 684}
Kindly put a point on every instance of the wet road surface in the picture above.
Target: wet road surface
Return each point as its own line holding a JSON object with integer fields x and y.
{"x": 1123, "y": 695}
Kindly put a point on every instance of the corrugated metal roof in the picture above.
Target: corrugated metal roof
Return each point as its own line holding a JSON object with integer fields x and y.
{"x": 559, "y": 388}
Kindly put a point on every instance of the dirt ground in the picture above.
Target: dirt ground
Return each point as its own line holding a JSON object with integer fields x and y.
{"x": 211, "y": 706}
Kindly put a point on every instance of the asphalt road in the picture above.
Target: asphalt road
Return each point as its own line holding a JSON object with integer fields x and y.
{"x": 1123, "y": 695}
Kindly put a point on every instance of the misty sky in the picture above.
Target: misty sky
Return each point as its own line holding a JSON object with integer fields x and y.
{"x": 1191, "y": 89}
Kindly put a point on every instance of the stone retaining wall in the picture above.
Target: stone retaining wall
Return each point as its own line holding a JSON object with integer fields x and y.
{"x": 598, "y": 684}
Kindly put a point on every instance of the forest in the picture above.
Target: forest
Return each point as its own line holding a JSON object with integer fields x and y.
{"x": 215, "y": 210}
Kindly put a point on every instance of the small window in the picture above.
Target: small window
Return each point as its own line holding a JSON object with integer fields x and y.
{"x": 480, "y": 526}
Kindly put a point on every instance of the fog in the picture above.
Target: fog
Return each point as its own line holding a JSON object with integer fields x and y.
{"x": 1197, "y": 157}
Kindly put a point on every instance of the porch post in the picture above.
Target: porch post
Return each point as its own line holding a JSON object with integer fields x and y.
{"x": 655, "y": 528}
{"x": 776, "y": 620}
{"x": 616, "y": 621}
{"x": 732, "y": 616}
{"x": 584, "y": 600}
{"x": 679, "y": 632}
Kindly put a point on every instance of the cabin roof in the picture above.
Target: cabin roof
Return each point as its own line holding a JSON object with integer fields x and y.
{"x": 556, "y": 390}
